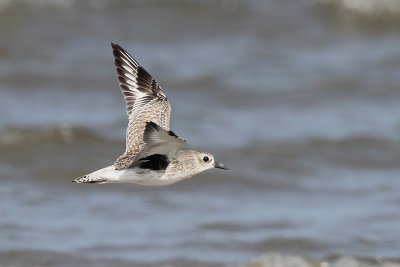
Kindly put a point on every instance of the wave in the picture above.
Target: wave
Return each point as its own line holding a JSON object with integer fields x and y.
{"x": 365, "y": 7}
{"x": 7, "y": 4}
{"x": 372, "y": 8}
{"x": 282, "y": 260}
{"x": 289, "y": 157}
{"x": 58, "y": 153}
{"x": 44, "y": 257}
{"x": 104, "y": 4}
{"x": 27, "y": 258}
{"x": 63, "y": 133}
{"x": 54, "y": 153}
{"x": 276, "y": 163}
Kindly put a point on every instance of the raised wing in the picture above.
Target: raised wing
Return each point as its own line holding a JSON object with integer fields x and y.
{"x": 137, "y": 85}
{"x": 145, "y": 102}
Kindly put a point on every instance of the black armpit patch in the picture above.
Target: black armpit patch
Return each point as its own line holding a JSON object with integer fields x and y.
{"x": 154, "y": 162}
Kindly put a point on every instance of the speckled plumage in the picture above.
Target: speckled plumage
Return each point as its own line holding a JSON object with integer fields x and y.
{"x": 145, "y": 102}
{"x": 153, "y": 154}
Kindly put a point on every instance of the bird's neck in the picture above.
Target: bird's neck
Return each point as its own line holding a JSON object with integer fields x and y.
{"x": 182, "y": 167}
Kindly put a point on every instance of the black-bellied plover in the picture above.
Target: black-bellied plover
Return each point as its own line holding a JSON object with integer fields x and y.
{"x": 153, "y": 154}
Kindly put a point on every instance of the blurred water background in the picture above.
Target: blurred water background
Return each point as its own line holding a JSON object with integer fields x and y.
{"x": 300, "y": 99}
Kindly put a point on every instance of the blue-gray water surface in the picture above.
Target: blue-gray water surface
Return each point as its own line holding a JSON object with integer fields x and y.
{"x": 299, "y": 98}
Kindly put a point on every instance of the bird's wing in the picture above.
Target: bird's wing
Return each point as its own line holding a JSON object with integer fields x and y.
{"x": 145, "y": 101}
{"x": 160, "y": 148}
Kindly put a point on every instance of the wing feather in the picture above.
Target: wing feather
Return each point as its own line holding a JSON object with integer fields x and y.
{"x": 145, "y": 102}
{"x": 160, "y": 147}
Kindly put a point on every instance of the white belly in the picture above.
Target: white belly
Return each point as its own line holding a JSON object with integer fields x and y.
{"x": 134, "y": 175}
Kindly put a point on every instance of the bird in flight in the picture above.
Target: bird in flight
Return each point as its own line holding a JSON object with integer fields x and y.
{"x": 154, "y": 155}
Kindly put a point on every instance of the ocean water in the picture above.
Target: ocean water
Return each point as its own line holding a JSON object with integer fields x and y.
{"x": 299, "y": 98}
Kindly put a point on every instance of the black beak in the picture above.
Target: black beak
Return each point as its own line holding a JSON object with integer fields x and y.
{"x": 220, "y": 166}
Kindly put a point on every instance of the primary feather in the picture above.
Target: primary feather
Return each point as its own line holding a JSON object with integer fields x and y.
{"x": 145, "y": 102}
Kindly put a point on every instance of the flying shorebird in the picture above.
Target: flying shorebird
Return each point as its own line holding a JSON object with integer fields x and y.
{"x": 153, "y": 154}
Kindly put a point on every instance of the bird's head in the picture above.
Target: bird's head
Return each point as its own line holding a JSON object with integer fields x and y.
{"x": 206, "y": 161}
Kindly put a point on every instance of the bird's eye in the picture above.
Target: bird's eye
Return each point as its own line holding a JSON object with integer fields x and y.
{"x": 206, "y": 159}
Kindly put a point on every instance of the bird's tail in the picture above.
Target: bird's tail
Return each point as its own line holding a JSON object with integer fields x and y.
{"x": 89, "y": 179}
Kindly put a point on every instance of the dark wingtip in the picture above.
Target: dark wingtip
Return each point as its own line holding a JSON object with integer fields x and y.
{"x": 114, "y": 45}
{"x": 120, "y": 52}
{"x": 116, "y": 50}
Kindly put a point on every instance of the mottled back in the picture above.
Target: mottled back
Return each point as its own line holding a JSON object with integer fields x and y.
{"x": 145, "y": 102}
